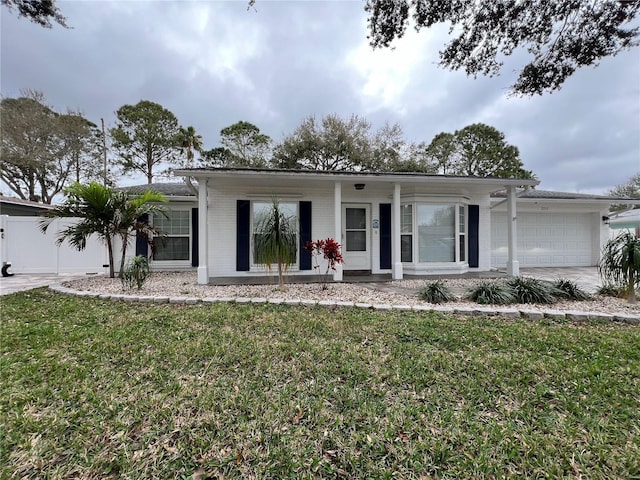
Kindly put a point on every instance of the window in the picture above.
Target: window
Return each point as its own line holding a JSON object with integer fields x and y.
{"x": 356, "y": 229}
{"x": 441, "y": 233}
{"x": 406, "y": 233}
{"x": 436, "y": 233}
{"x": 176, "y": 227}
{"x": 261, "y": 211}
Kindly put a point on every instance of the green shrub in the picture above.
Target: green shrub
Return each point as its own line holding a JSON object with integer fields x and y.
{"x": 436, "y": 292}
{"x": 136, "y": 272}
{"x": 612, "y": 290}
{"x": 531, "y": 290}
{"x": 488, "y": 292}
{"x": 570, "y": 290}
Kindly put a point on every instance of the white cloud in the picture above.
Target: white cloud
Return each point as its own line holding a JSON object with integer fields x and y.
{"x": 385, "y": 75}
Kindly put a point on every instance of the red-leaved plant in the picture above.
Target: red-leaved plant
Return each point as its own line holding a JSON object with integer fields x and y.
{"x": 330, "y": 251}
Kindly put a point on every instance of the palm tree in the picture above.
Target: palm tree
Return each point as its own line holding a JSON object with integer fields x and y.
{"x": 131, "y": 210}
{"x": 275, "y": 240}
{"x": 620, "y": 263}
{"x": 189, "y": 141}
{"x": 102, "y": 211}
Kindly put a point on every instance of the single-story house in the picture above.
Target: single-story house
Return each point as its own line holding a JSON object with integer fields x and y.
{"x": 399, "y": 224}
{"x": 625, "y": 221}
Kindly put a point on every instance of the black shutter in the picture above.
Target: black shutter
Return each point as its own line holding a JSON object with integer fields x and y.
{"x": 142, "y": 245}
{"x": 304, "y": 211}
{"x": 385, "y": 235}
{"x": 472, "y": 235}
{"x": 243, "y": 235}
{"x": 194, "y": 237}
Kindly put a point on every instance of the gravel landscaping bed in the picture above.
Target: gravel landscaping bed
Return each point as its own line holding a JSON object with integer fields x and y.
{"x": 184, "y": 285}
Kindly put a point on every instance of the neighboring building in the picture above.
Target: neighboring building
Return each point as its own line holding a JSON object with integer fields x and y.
{"x": 16, "y": 207}
{"x": 627, "y": 221}
{"x": 401, "y": 224}
{"x": 28, "y": 250}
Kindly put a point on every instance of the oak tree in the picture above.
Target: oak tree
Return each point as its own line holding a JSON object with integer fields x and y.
{"x": 332, "y": 143}
{"x": 629, "y": 189}
{"x": 478, "y": 150}
{"x": 42, "y": 12}
{"x": 560, "y": 36}
{"x": 42, "y": 150}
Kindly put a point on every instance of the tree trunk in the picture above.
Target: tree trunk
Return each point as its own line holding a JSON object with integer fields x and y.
{"x": 632, "y": 287}
{"x": 280, "y": 279}
{"x": 124, "y": 254}
{"x": 110, "y": 250}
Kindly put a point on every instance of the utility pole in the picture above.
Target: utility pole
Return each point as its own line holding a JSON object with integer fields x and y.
{"x": 104, "y": 151}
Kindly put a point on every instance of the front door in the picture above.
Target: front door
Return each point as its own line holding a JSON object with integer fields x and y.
{"x": 356, "y": 237}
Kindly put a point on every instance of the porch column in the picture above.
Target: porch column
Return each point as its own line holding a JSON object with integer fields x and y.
{"x": 395, "y": 237}
{"x": 203, "y": 228}
{"x": 337, "y": 217}
{"x": 513, "y": 266}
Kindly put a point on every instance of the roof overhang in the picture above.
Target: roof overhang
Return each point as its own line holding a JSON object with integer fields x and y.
{"x": 287, "y": 178}
{"x": 25, "y": 203}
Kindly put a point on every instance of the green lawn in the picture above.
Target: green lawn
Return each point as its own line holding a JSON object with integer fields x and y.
{"x": 101, "y": 389}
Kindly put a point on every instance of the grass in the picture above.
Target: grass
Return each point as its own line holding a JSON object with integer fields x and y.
{"x": 100, "y": 389}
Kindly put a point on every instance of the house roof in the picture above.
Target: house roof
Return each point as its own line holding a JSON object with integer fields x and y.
{"x": 627, "y": 219}
{"x": 171, "y": 189}
{"x": 213, "y": 171}
{"x": 25, "y": 203}
{"x": 267, "y": 178}
{"x": 535, "y": 194}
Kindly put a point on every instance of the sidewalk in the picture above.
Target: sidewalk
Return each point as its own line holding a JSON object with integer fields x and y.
{"x": 23, "y": 282}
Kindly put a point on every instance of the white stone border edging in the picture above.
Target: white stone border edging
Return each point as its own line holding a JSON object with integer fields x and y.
{"x": 480, "y": 310}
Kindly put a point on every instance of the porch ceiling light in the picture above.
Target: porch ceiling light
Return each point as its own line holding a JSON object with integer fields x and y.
{"x": 359, "y": 186}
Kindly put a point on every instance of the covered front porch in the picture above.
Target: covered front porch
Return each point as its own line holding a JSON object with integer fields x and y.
{"x": 390, "y": 226}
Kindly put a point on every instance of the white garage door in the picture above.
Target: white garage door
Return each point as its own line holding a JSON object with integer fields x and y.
{"x": 544, "y": 239}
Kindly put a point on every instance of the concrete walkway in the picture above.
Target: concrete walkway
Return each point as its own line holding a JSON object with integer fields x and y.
{"x": 23, "y": 282}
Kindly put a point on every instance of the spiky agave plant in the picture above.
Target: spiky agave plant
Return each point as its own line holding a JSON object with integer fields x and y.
{"x": 620, "y": 263}
{"x": 275, "y": 240}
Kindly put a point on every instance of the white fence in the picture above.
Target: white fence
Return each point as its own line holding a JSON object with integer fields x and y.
{"x": 28, "y": 250}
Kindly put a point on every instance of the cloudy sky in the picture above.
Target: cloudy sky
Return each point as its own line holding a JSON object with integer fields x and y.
{"x": 214, "y": 63}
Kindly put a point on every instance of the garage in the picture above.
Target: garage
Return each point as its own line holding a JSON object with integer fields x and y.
{"x": 545, "y": 239}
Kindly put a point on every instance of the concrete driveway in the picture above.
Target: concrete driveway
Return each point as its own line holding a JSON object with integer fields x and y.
{"x": 586, "y": 277}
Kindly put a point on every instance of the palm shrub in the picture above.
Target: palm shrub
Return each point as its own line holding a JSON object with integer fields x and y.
{"x": 102, "y": 211}
{"x": 136, "y": 272}
{"x": 491, "y": 293}
{"x": 620, "y": 263}
{"x": 275, "y": 240}
{"x": 531, "y": 290}
{"x": 436, "y": 292}
{"x": 570, "y": 290}
{"x": 131, "y": 208}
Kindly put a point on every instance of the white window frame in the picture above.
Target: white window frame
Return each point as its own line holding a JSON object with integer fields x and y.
{"x": 459, "y": 208}
{"x": 168, "y": 263}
